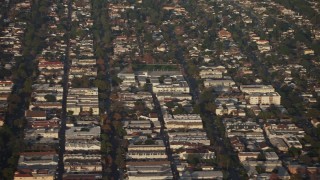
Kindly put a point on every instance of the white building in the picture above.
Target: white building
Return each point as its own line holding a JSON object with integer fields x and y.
{"x": 256, "y": 89}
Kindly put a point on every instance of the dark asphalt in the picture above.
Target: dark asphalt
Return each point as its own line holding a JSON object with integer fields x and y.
{"x": 66, "y": 69}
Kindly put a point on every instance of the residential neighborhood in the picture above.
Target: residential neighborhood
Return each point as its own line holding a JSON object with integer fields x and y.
{"x": 140, "y": 90}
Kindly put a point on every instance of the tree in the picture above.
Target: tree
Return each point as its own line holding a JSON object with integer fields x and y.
{"x": 265, "y": 115}
{"x": 313, "y": 113}
{"x": 140, "y": 106}
{"x": 149, "y": 142}
{"x": 50, "y": 98}
{"x": 261, "y": 157}
{"x": 19, "y": 123}
{"x": 318, "y": 131}
{"x": 27, "y": 86}
{"x": 249, "y": 113}
{"x": 161, "y": 78}
{"x": 296, "y": 177}
{"x": 305, "y": 159}
{"x": 8, "y": 173}
{"x": 224, "y": 160}
{"x": 116, "y": 81}
{"x": 193, "y": 159}
{"x": 70, "y": 113}
{"x": 107, "y": 38}
{"x": 294, "y": 152}
{"x": 14, "y": 98}
{"x": 82, "y": 82}
{"x": 210, "y": 107}
{"x": 196, "y": 109}
{"x": 13, "y": 102}
{"x": 146, "y": 87}
{"x": 179, "y": 110}
{"x": 99, "y": 52}
{"x": 170, "y": 104}
{"x": 119, "y": 161}
{"x": 101, "y": 85}
{"x": 118, "y": 126}
{"x": 270, "y": 22}
{"x": 260, "y": 169}
{"x": 105, "y": 144}
{"x": 207, "y": 96}
{"x": 117, "y": 116}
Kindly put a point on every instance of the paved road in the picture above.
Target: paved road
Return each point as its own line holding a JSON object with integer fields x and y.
{"x": 165, "y": 137}
{"x": 66, "y": 69}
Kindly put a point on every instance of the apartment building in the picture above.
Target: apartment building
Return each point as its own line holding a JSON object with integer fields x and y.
{"x": 264, "y": 98}
{"x": 256, "y": 89}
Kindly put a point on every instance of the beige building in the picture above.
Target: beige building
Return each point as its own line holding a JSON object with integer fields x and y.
{"x": 145, "y": 170}
{"x": 256, "y": 89}
{"x": 158, "y": 146}
{"x": 81, "y": 163}
{"x": 218, "y": 82}
{"x": 83, "y": 145}
{"x": 142, "y": 155}
{"x": 36, "y": 166}
{"x": 243, "y": 156}
{"x": 83, "y": 100}
{"x": 202, "y": 153}
{"x": 181, "y": 87}
{"x": 184, "y": 121}
{"x": 265, "y": 98}
{"x": 212, "y": 72}
{"x": 33, "y": 176}
{"x": 184, "y": 125}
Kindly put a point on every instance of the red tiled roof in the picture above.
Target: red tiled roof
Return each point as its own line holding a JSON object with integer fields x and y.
{"x": 44, "y": 123}
{"x": 23, "y": 175}
{"x": 37, "y": 153}
{"x": 35, "y": 113}
{"x": 153, "y": 115}
{"x": 6, "y": 82}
